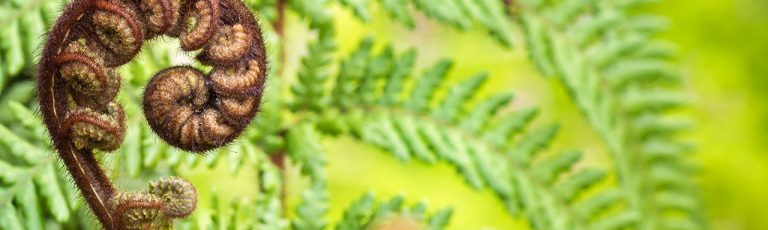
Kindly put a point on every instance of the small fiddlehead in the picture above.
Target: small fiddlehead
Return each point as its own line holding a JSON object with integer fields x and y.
{"x": 77, "y": 84}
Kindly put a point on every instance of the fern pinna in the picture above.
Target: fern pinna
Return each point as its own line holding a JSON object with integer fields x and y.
{"x": 619, "y": 76}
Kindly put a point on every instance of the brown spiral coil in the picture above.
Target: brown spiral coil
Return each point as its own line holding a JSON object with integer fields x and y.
{"x": 77, "y": 85}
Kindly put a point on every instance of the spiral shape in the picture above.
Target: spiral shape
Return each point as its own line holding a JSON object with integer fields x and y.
{"x": 237, "y": 81}
{"x": 92, "y": 83}
{"x": 138, "y": 210}
{"x": 184, "y": 106}
{"x": 179, "y": 196}
{"x": 94, "y": 129}
{"x": 167, "y": 199}
{"x": 238, "y": 110}
{"x": 117, "y": 28}
{"x": 187, "y": 108}
{"x": 176, "y": 105}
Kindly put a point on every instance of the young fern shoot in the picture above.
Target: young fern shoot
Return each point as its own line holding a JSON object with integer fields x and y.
{"x": 77, "y": 84}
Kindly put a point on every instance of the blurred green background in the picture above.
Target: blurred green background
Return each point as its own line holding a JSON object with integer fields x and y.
{"x": 722, "y": 46}
{"x": 722, "y": 50}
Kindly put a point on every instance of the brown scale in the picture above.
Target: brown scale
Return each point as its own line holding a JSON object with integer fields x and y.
{"x": 92, "y": 83}
{"x": 236, "y": 110}
{"x": 77, "y": 84}
{"x": 176, "y": 103}
{"x": 117, "y": 28}
{"x": 162, "y": 16}
{"x": 139, "y": 210}
{"x": 238, "y": 80}
{"x": 200, "y": 24}
{"x": 91, "y": 128}
{"x": 179, "y": 195}
{"x": 229, "y": 45}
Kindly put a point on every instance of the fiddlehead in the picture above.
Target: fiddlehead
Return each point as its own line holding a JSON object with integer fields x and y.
{"x": 77, "y": 85}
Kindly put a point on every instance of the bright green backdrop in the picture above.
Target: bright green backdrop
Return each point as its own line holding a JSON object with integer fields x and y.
{"x": 722, "y": 48}
{"x": 724, "y": 45}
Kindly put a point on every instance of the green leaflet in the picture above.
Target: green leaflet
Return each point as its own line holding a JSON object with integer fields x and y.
{"x": 34, "y": 173}
{"x": 9, "y": 218}
{"x": 591, "y": 44}
{"x": 421, "y": 95}
{"x": 358, "y": 214}
{"x": 22, "y": 28}
{"x": 304, "y": 148}
{"x": 351, "y": 73}
{"x": 398, "y": 9}
{"x": 359, "y": 7}
{"x": 451, "y": 106}
{"x": 314, "y": 10}
{"x": 314, "y": 75}
{"x": 490, "y": 15}
{"x": 366, "y": 212}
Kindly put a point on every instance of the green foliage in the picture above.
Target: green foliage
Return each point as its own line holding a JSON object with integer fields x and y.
{"x": 304, "y": 148}
{"x": 315, "y": 74}
{"x": 22, "y": 26}
{"x": 34, "y": 191}
{"x": 366, "y": 213}
{"x": 624, "y": 83}
{"x": 621, "y": 79}
{"x": 477, "y": 139}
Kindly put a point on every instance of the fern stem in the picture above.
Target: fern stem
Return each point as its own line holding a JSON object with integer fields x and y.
{"x": 279, "y": 24}
{"x": 553, "y": 207}
{"x": 81, "y": 122}
{"x": 90, "y": 179}
{"x": 278, "y": 160}
{"x": 598, "y": 108}
{"x": 610, "y": 134}
{"x": 93, "y": 183}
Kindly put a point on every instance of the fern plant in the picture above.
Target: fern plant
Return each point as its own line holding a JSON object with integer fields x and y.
{"x": 623, "y": 80}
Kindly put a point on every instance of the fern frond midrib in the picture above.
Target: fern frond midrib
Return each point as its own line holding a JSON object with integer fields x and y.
{"x": 610, "y": 136}
{"x": 633, "y": 178}
{"x": 471, "y": 137}
{"x": 516, "y": 166}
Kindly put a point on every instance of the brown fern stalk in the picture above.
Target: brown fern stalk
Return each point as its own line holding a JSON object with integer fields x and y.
{"x": 77, "y": 84}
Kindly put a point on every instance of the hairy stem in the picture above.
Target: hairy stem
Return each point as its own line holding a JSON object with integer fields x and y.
{"x": 77, "y": 85}
{"x": 89, "y": 178}
{"x": 279, "y": 158}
